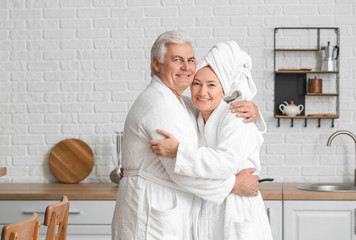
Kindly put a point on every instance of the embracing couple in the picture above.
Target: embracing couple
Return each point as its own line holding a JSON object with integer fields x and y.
{"x": 191, "y": 165}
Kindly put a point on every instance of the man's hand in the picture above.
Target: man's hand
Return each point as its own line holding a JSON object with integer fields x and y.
{"x": 245, "y": 109}
{"x": 246, "y": 184}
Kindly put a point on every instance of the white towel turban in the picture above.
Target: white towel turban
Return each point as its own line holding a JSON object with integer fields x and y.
{"x": 232, "y": 66}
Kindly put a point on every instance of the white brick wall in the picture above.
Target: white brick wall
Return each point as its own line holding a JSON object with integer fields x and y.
{"x": 71, "y": 69}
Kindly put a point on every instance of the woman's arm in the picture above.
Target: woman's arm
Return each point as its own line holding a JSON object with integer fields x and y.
{"x": 165, "y": 147}
{"x": 236, "y": 143}
{"x": 246, "y": 184}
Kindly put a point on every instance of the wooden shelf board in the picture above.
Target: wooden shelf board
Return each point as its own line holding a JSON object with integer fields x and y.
{"x": 322, "y": 94}
{"x": 313, "y": 116}
{"x": 299, "y": 71}
{"x": 297, "y": 49}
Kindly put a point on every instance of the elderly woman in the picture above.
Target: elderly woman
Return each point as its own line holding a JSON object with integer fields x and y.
{"x": 228, "y": 145}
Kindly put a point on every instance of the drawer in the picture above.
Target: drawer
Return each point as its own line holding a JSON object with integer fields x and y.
{"x": 97, "y": 212}
{"x": 81, "y": 232}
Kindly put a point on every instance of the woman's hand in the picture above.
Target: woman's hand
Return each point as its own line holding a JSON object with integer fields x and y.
{"x": 245, "y": 109}
{"x": 165, "y": 147}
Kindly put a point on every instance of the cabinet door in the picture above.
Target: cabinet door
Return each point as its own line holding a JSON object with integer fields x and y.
{"x": 87, "y": 220}
{"x": 85, "y": 232}
{"x": 274, "y": 213}
{"x": 313, "y": 220}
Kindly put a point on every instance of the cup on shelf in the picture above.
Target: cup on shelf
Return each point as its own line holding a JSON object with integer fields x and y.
{"x": 315, "y": 85}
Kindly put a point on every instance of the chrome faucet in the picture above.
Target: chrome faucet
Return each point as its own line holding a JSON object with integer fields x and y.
{"x": 346, "y": 133}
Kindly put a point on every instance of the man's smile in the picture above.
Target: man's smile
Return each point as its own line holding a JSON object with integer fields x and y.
{"x": 182, "y": 75}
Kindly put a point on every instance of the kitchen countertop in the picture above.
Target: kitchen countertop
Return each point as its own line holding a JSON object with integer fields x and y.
{"x": 108, "y": 191}
{"x": 90, "y": 191}
{"x": 54, "y": 191}
{"x": 290, "y": 192}
{"x": 271, "y": 191}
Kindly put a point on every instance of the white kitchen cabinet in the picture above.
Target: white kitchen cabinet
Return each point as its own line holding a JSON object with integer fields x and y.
{"x": 87, "y": 220}
{"x": 314, "y": 220}
{"x": 275, "y": 216}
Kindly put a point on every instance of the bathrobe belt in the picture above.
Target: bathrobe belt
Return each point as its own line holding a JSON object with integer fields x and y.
{"x": 152, "y": 178}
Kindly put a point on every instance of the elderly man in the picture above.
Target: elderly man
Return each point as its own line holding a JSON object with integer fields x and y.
{"x": 153, "y": 201}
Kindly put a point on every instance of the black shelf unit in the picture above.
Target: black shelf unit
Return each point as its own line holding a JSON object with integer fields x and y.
{"x": 291, "y": 85}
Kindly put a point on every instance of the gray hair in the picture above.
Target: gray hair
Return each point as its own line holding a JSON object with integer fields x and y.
{"x": 159, "y": 50}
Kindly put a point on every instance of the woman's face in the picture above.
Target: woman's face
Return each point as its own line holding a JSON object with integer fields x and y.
{"x": 206, "y": 91}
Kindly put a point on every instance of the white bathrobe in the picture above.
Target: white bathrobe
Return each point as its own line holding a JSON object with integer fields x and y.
{"x": 153, "y": 202}
{"x": 229, "y": 145}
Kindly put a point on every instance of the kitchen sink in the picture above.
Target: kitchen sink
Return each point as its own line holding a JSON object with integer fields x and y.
{"x": 328, "y": 187}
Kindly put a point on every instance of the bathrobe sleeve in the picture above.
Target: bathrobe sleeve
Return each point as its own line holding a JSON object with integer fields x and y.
{"x": 236, "y": 142}
{"x": 213, "y": 190}
{"x": 261, "y": 124}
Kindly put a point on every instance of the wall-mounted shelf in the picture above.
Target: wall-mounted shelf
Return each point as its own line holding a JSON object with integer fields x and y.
{"x": 322, "y": 94}
{"x": 297, "y": 49}
{"x": 291, "y": 84}
{"x": 314, "y": 116}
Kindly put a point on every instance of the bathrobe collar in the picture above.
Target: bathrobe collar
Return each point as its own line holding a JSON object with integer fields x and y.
{"x": 156, "y": 79}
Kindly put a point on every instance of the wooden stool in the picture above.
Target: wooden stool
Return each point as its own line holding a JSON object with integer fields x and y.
{"x": 27, "y": 230}
{"x": 57, "y": 214}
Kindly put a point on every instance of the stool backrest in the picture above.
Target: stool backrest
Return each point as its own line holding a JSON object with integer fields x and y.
{"x": 56, "y": 219}
{"x": 27, "y": 230}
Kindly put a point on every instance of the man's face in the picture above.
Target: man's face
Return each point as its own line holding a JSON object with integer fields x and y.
{"x": 177, "y": 70}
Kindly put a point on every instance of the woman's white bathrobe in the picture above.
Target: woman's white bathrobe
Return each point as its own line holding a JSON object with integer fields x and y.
{"x": 153, "y": 202}
{"x": 229, "y": 145}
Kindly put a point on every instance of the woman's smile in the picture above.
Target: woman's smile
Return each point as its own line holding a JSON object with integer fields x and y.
{"x": 206, "y": 91}
{"x": 203, "y": 99}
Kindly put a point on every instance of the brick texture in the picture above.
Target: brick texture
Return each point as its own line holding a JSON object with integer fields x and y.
{"x": 72, "y": 69}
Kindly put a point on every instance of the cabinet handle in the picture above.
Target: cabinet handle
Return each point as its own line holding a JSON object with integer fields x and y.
{"x": 268, "y": 211}
{"x": 75, "y": 212}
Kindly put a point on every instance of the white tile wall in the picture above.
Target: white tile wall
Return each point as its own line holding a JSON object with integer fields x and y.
{"x": 73, "y": 68}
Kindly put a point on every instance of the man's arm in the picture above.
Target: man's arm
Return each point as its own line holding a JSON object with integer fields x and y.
{"x": 245, "y": 109}
{"x": 246, "y": 184}
{"x": 237, "y": 143}
{"x": 213, "y": 190}
{"x": 219, "y": 163}
{"x": 249, "y": 111}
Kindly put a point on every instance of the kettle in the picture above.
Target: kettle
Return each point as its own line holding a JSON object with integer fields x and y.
{"x": 329, "y": 55}
{"x": 291, "y": 109}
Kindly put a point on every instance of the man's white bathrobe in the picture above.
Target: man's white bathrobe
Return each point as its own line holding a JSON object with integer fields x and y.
{"x": 153, "y": 202}
{"x": 229, "y": 145}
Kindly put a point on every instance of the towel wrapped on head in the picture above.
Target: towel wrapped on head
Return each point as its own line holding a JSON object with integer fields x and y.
{"x": 232, "y": 66}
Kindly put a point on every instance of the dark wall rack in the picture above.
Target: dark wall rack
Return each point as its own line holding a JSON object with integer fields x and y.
{"x": 290, "y": 85}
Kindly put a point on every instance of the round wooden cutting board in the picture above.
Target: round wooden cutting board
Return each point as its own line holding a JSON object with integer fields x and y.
{"x": 71, "y": 160}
